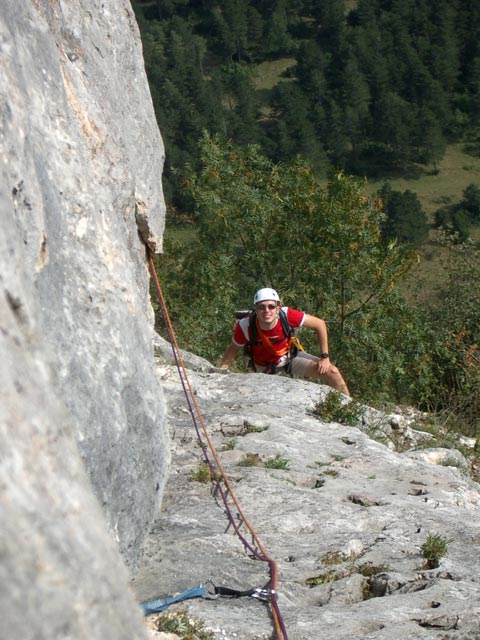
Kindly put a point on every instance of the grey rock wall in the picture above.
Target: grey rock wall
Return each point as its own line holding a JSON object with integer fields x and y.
{"x": 345, "y": 518}
{"x": 83, "y": 448}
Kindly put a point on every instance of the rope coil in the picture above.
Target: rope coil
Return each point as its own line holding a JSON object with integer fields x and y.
{"x": 216, "y": 470}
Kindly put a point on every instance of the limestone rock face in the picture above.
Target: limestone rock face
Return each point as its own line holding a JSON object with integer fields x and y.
{"x": 344, "y": 516}
{"x": 80, "y": 195}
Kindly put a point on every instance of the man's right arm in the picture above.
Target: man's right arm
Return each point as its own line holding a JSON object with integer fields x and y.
{"x": 229, "y": 355}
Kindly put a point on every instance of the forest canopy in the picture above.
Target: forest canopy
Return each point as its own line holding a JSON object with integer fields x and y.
{"x": 369, "y": 87}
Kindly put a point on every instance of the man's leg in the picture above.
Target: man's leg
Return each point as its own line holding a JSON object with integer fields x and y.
{"x": 304, "y": 365}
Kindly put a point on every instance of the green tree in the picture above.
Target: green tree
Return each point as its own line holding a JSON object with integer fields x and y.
{"x": 471, "y": 202}
{"x": 261, "y": 223}
{"x": 394, "y": 118}
{"x": 454, "y": 220}
{"x": 292, "y": 132}
{"x": 329, "y": 16}
{"x": 383, "y": 86}
{"x": 241, "y": 117}
{"x": 230, "y": 28}
{"x": 310, "y": 69}
{"x": 430, "y": 139}
{"x": 357, "y": 100}
{"x": 366, "y": 12}
{"x": 255, "y": 33}
{"x": 183, "y": 98}
{"x": 405, "y": 218}
{"x": 468, "y": 29}
{"x": 277, "y": 37}
{"x": 459, "y": 217}
{"x": 454, "y": 320}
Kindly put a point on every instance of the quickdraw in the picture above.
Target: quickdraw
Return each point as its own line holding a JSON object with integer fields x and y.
{"x": 208, "y": 591}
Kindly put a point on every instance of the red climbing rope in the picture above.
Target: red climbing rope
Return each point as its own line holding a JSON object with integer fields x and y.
{"x": 216, "y": 471}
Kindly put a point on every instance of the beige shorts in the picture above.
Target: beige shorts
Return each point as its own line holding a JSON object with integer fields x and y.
{"x": 300, "y": 363}
{"x": 295, "y": 367}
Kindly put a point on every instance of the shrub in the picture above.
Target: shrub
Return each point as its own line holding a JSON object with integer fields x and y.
{"x": 433, "y": 549}
{"x": 249, "y": 460}
{"x": 368, "y": 569}
{"x": 405, "y": 219}
{"x": 333, "y": 408}
{"x": 329, "y": 576}
{"x": 277, "y": 463}
{"x": 201, "y": 473}
{"x": 180, "y": 624}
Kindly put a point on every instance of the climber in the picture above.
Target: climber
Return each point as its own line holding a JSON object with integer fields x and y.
{"x": 267, "y": 335}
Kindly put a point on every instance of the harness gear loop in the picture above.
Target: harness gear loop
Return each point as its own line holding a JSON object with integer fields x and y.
{"x": 296, "y": 344}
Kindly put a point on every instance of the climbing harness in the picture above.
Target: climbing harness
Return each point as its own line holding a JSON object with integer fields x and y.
{"x": 217, "y": 473}
{"x": 207, "y": 590}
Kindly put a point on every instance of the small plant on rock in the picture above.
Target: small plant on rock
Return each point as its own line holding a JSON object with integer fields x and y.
{"x": 368, "y": 569}
{"x": 453, "y": 462}
{"x": 228, "y": 446}
{"x": 333, "y": 557}
{"x": 184, "y": 627}
{"x": 331, "y": 472}
{"x": 277, "y": 463}
{"x": 251, "y": 428}
{"x": 201, "y": 473}
{"x": 334, "y": 408}
{"x": 323, "y": 578}
{"x": 433, "y": 549}
{"x": 249, "y": 460}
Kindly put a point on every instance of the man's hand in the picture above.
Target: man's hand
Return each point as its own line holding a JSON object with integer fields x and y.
{"x": 323, "y": 366}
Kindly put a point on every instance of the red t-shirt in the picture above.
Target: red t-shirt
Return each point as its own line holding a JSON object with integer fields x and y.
{"x": 261, "y": 354}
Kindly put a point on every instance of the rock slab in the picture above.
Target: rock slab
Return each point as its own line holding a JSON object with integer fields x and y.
{"x": 344, "y": 516}
{"x": 83, "y": 448}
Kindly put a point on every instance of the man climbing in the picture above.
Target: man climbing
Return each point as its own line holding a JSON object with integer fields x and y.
{"x": 268, "y": 335}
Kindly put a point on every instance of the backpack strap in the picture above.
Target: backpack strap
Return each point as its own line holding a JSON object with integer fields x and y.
{"x": 287, "y": 329}
{"x": 252, "y": 326}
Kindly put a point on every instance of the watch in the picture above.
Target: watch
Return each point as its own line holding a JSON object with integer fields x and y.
{"x": 324, "y": 355}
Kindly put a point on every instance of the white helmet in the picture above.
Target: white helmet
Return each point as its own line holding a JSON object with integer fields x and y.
{"x": 265, "y": 294}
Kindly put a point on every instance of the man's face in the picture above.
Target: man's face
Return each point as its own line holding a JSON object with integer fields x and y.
{"x": 267, "y": 310}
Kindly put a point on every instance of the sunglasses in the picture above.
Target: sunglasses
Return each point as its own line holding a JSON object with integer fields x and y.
{"x": 264, "y": 307}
